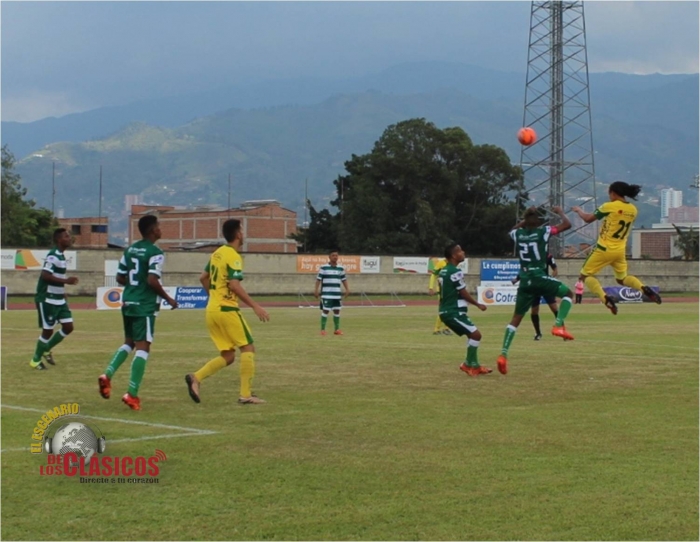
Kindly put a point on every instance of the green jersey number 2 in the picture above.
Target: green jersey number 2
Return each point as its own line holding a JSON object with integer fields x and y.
{"x": 525, "y": 254}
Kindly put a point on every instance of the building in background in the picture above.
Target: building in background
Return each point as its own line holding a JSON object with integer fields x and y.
{"x": 130, "y": 200}
{"x": 87, "y": 232}
{"x": 266, "y": 225}
{"x": 670, "y": 199}
{"x": 683, "y": 215}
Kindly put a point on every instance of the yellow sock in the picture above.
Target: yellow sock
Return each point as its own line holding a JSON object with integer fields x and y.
{"x": 247, "y": 373}
{"x": 211, "y": 367}
{"x": 594, "y": 286}
{"x": 633, "y": 282}
{"x": 438, "y": 324}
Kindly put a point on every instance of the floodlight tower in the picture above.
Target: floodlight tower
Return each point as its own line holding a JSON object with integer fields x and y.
{"x": 558, "y": 168}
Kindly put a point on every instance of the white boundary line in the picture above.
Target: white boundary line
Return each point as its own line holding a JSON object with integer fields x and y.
{"x": 187, "y": 431}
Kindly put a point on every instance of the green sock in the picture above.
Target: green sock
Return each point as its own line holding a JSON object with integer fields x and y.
{"x": 472, "y": 355}
{"x": 324, "y": 319}
{"x": 138, "y": 367}
{"x": 507, "y": 339}
{"x": 336, "y": 322}
{"x": 564, "y": 308}
{"x": 55, "y": 339}
{"x": 118, "y": 358}
{"x": 40, "y": 348}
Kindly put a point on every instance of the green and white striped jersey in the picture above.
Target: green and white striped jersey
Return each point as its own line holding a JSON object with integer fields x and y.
{"x": 56, "y": 265}
{"x": 331, "y": 278}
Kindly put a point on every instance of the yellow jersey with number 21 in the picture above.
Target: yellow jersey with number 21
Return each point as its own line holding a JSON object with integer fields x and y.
{"x": 618, "y": 217}
{"x": 224, "y": 265}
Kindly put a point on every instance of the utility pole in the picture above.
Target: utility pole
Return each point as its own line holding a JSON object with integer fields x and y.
{"x": 99, "y": 210}
{"x": 53, "y": 188}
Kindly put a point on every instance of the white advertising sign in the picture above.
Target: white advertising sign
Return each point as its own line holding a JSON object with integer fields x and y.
{"x": 24, "y": 259}
{"x": 497, "y": 295}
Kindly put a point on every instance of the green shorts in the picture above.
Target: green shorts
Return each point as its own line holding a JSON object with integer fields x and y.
{"x": 50, "y": 315}
{"x": 139, "y": 328}
{"x": 330, "y": 304}
{"x": 458, "y": 322}
{"x": 530, "y": 289}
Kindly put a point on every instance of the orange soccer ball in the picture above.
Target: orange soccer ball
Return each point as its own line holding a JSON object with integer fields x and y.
{"x": 527, "y": 136}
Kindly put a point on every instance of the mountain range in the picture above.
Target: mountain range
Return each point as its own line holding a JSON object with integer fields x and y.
{"x": 273, "y": 137}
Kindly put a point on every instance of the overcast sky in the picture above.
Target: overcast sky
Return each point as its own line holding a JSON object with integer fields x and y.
{"x": 64, "y": 57}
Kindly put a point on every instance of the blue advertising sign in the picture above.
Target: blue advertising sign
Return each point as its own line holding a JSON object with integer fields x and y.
{"x": 625, "y": 294}
{"x": 191, "y": 298}
{"x": 3, "y": 298}
{"x": 499, "y": 270}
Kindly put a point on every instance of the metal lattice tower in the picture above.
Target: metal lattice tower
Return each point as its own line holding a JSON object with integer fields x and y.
{"x": 558, "y": 168}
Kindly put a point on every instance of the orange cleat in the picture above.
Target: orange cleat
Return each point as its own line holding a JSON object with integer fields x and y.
{"x": 561, "y": 332}
{"x": 475, "y": 371}
{"x": 337, "y": 332}
{"x": 105, "y": 386}
{"x": 134, "y": 403}
{"x": 502, "y": 362}
{"x": 323, "y": 332}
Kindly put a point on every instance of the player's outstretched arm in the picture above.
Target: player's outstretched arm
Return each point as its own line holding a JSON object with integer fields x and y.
{"x": 586, "y": 217}
{"x": 565, "y": 223}
{"x": 237, "y": 288}
{"x": 157, "y": 287}
{"x": 469, "y": 299}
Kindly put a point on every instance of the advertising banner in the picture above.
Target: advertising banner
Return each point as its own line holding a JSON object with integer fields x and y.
{"x": 111, "y": 298}
{"x": 499, "y": 271}
{"x": 370, "y": 264}
{"x": 3, "y": 298}
{"x": 624, "y": 294}
{"x": 310, "y": 263}
{"x": 497, "y": 295}
{"x": 22, "y": 259}
{"x": 410, "y": 264}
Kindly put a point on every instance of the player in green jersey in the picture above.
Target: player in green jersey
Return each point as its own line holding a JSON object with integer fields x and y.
{"x": 50, "y": 299}
{"x": 140, "y": 270}
{"x": 454, "y": 298}
{"x": 531, "y": 241}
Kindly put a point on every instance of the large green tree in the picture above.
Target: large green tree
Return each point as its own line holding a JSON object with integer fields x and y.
{"x": 421, "y": 187}
{"x": 22, "y": 225}
{"x": 321, "y": 235}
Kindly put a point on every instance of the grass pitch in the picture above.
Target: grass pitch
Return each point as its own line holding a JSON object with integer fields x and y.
{"x": 374, "y": 435}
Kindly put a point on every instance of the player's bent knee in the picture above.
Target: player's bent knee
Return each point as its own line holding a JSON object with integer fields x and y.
{"x": 475, "y": 335}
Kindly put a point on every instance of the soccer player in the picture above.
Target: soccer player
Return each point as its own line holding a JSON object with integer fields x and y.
{"x": 140, "y": 270}
{"x": 531, "y": 240}
{"x": 328, "y": 281}
{"x": 434, "y": 288}
{"x": 454, "y": 298}
{"x": 551, "y": 301}
{"x": 51, "y": 301}
{"x": 618, "y": 215}
{"x": 227, "y": 328}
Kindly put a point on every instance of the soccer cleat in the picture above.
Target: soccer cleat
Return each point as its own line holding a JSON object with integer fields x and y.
{"x": 651, "y": 294}
{"x": 538, "y": 337}
{"x": 252, "y": 400}
{"x": 502, "y": 362}
{"x": 610, "y": 304}
{"x": 134, "y": 403}
{"x": 337, "y": 332}
{"x": 437, "y": 332}
{"x": 323, "y": 332}
{"x": 192, "y": 387}
{"x": 38, "y": 365}
{"x": 474, "y": 371}
{"x": 446, "y": 332}
{"x": 49, "y": 358}
{"x": 561, "y": 332}
{"x": 105, "y": 386}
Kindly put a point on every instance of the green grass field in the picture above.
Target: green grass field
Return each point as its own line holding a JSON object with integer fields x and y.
{"x": 375, "y": 435}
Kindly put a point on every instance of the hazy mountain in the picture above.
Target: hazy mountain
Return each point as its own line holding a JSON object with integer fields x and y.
{"x": 645, "y": 130}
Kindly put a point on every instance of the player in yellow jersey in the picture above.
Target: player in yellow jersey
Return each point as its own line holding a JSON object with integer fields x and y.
{"x": 434, "y": 288}
{"x": 617, "y": 215}
{"x": 228, "y": 329}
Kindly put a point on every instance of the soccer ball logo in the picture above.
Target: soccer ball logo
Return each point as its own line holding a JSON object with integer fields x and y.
{"x": 77, "y": 438}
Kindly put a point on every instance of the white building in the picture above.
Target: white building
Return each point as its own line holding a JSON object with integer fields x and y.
{"x": 670, "y": 199}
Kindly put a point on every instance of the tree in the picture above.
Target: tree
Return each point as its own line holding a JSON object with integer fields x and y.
{"x": 22, "y": 224}
{"x": 421, "y": 187}
{"x": 687, "y": 243}
{"x": 321, "y": 234}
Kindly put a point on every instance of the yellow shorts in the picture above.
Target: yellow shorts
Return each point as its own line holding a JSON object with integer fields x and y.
{"x": 228, "y": 330}
{"x": 598, "y": 259}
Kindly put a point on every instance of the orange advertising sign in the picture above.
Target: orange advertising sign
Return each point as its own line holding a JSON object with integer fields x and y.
{"x": 310, "y": 263}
